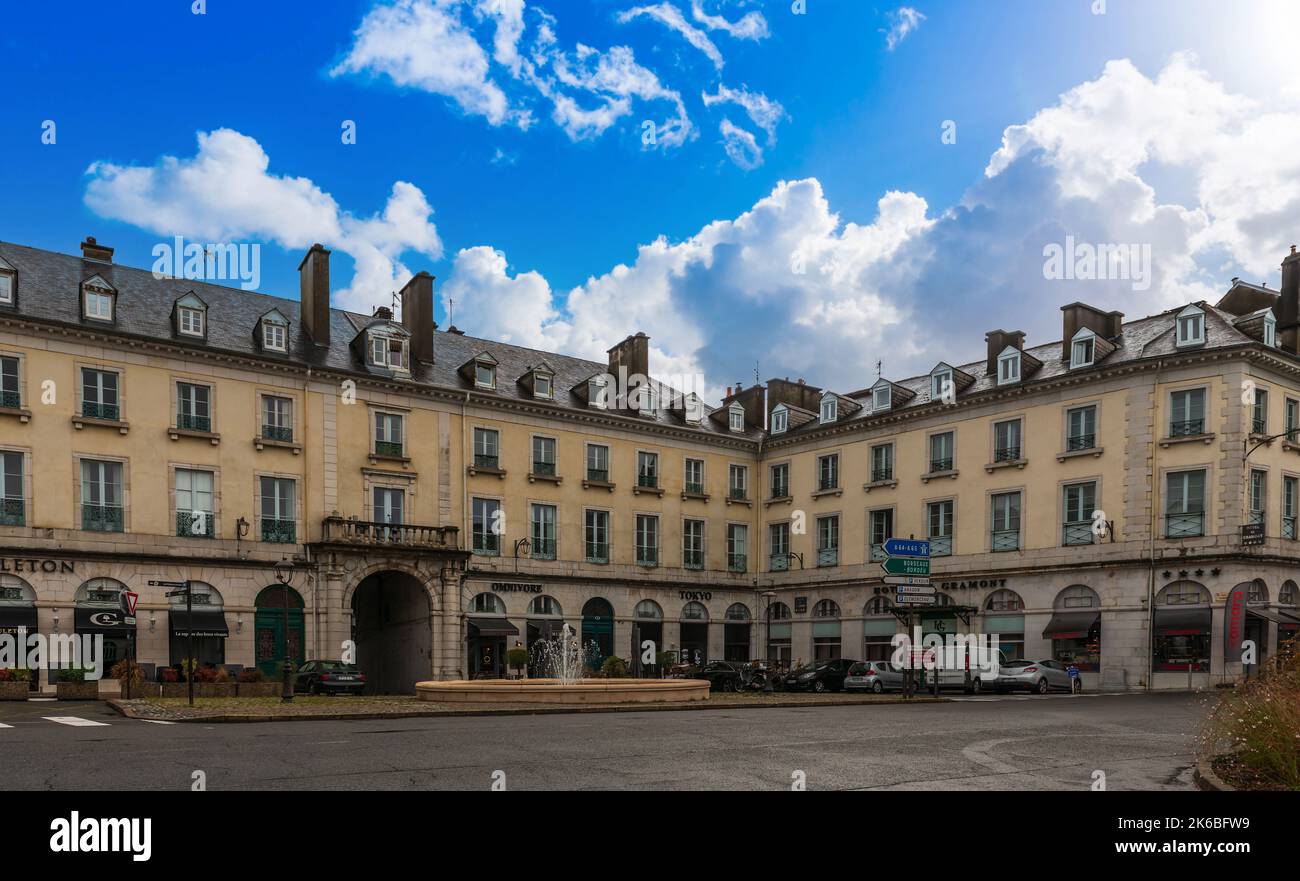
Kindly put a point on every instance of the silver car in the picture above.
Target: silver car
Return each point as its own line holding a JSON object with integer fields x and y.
{"x": 1039, "y": 677}
{"x": 877, "y": 676}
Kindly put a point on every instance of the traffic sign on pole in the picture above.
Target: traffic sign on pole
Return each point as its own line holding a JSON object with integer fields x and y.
{"x": 919, "y": 589}
{"x": 905, "y": 566}
{"x": 915, "y": 599}
{"x": 907, "y": 547}
{"x": 923, "y": 580}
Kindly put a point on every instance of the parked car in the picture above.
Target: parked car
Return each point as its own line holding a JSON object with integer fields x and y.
{"x": 819, "y": 676}
{"x": 1040, "y": 677}
{"x": 877, "y": 676}
{"x": 722, "y": 675}
{"x": 329, "y": 677}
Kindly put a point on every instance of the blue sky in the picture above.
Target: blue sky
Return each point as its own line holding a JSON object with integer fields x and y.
{"x": 512, "y": 164}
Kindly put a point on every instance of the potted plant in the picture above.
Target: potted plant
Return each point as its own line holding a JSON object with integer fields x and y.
{"x": 251, "y": 682}
{"x": 138, "y": 687}
{"x": 664, "y": 661}
{"x": 71, "y": 685}
{"x": 15, "y": 684}
{"x": 614, "y": 667}
{"x": 517, "y": 659}
{"x": 214, "y": 682}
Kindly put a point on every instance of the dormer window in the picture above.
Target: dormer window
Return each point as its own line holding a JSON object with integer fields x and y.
{"x": 8, "y": 282}
{"x": 780, "y": 419}
{"x": 1190, "y": 327}
{"x": 1082, "y": 349}
{"x": 1009, "y": 366}
{"x": 598, "y": 392}
{"x": 830, "y": 408}
{"x": 543, "y": 385}
{"x": 736, "y": 417}
{"x": 389, "y": 352}
{"x": 939, "y": 381}
{"x": 648, "y": 399}
{"x": 191, "y": 316}
{"x": 275, "y": 332}
{"x": 694, "y": 409}
{"x": 485, "y": 374}
{"x": 97, "y": 298}
{"x": 1270, "y": 329}
{"x": 880, "y": 398}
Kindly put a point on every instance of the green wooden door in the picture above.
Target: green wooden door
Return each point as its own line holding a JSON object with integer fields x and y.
{"x": 269, "y": 640}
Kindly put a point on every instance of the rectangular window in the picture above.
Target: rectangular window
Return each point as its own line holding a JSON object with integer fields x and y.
{"x": 1081, "y": 353}
{"x": 1292, "y": 420}
{"x": 193, "y": 407}
{"x": 1005, "y": 532}
{"x": 274, "y": 336}
{"x": 544, "y": 456}
{"x": 543, "y": 532}
{"x": 941, "y": 452}
{"x": 1187, "y": 412}
{"x": 880, "y": 399}
{"x": 542, "y": 385}
{"x": 194, "y": 511}
{"x": 1259, "y": 414}
{"x": 780, "y": 421}
{"x": 647, "y": 470}
{"x": 881, "y": 526}
{"x": 1079, "y": 500}
{"x": 737, "y": 547}
{"x": 1290, "y": 487}
{"x": 882, "y": 462}
{"x": 738, "y": 481}
{"x": 13, "y": 501}
{"x": 485, "y": 525}
{"x": 939, "y": 527}
{"x": 279, "y": 517}
{"x": 1008, "y": 368}
{"x": 485, "y": 375}
{"x": 1081, "y": 428}
{"x": 99, "y": 394}
{"x": 693, "y": 544}
{"x": 778, "y": 536}
{"x": 597, "y": 536}
{"x": 647, "y": 540}
{"x": 1258, "y": 490}
{"x": 1191, "y": 329}
{"x": 7, "y": 288}
{"x": 99, "y": 305}
{"x": 1006, "y": 441}
{"x": 828, "y": 472}
{"x": 781, "y": 481}
{"x": 101, "y": 496}
{"x": 598, "y": 463}
{"x": 828, "y": 541}
{"x": 1184, "y": 504}
{"x": 487, "y": 448}
{"x": 191, "y": 321}
{"x": 277, "y": 418}
{"x": 389, "y": 505}
{"x": 830, "y": 406}
{"x": 10, "y": 390}
{"x": 695, "y": 476}
{"x": 388, "y": 435}
{"x": 940, "y": 386}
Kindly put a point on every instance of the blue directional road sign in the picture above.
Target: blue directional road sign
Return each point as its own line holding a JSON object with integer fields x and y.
{"x": 907, "y": 547}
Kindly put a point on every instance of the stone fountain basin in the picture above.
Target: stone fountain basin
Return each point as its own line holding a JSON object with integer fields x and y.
{"x": 553, "y": 691}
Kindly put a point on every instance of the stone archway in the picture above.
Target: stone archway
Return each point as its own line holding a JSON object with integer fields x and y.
{"x": 392, "y": 629}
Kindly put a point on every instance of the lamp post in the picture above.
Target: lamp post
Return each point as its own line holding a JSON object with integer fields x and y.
{"x": 284, "y": 575}
{"x": 524, "y": 545}
{"x": 768, "y": 595}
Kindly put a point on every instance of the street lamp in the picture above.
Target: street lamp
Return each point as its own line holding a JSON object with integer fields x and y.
{"x": 524, "y": 545}
{"x": 284, "y": 575}
{"x": 769, "y": 595}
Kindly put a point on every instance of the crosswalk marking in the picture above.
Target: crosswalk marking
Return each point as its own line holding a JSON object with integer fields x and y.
{"x": 73, "y": 720}
{"x": 158, "y": 721}
{"x": 3, "y": 725}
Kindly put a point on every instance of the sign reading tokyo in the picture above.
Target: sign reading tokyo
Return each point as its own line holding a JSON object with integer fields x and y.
{"x": 907, "y": 547}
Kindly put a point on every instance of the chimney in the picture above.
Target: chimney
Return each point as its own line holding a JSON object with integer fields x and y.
{"x": 633, "y": 354}
{"x": 1106, "y": 325}
{"x": 90, "y": 250}
{"x": 999, "y": 340}
{"x": 383, "y": 312}
{"x": 417, "y": 315}
{"x": 1288, "y": 303}
{"x": 314, "y": 292}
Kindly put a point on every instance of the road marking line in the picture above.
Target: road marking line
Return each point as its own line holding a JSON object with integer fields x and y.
{"x": 41, "y": 699}
{"x": 3, "y": 725}
{"x": 75, "y": 721}
{"x": 158, "y": 721}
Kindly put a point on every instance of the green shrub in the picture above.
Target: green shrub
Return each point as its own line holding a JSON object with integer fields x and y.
{"x": 72, "y": 674}
{"x": 614, "y": 667}
{"x": 517, "y": 658}
{"x": 664, "y": 660}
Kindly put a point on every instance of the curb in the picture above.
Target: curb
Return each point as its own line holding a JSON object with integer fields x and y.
{"x": 130, "y": 713}
{"x": 1207, "y": 780}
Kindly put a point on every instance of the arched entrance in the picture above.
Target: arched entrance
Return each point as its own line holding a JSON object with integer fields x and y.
{"x": 597, "y": 631}
{"x": 271, "y": 638}
{"x": 392, "y": 631}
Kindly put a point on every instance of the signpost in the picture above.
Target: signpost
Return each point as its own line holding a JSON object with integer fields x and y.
{"x": 182, "y": 587}
{"x": 907, "y": 565}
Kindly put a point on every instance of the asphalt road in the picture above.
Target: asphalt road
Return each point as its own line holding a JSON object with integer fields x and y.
{"x": 1007, "y": 743}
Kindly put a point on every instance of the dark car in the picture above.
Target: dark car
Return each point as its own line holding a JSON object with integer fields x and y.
{"x": 819, "y": 676}
{"x": 329, "y": 677}
{"x": 722, "y": 675}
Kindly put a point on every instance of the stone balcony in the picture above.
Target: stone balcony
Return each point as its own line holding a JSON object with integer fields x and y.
{"x": 403, "y": 536}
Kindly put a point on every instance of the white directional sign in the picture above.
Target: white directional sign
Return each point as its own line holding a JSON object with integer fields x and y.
{"x": 907, "y": 579}
{"x": 922, "y": 589}
{"x": 915, "y": 599}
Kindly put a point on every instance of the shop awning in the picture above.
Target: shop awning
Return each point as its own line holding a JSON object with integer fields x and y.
{"x": 206, "y": 623}
{"x": 1072, "y": 625}
{"x": 1289, "y": 620}
{"x": 103, "y": 621}
{"x": 13, "y": 617}
{"x": 547, "y": 627}
{"x": 493, "y": 627}
{"x": 1266, "y": 614}
{"x": 1182, "y": 622}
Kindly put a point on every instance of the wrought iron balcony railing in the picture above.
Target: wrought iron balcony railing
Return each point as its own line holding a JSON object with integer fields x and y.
{"x": 1077, "y": 532}
{"x": 940, "y": 465}
{"x": 1186, "y": 427}
{"x": 647, "y": 556}
{"x": 280, "y": 433}
{"x": 279, "y": 531}
{"x": 1080, "y": 442}
{"x": 737, "y": 562}
{"x": 649, "y": 481}
{"x": 738, "y": 492}
{"x": 598, "y": 475}
{"x": 101, "y": 518}
{"x": 544, "y": 469}
{"x": 487, "y": 544}
{"x": 13, "y": 512}
{"x": 695, "y": 489}
{"x": 543, "y": 549}
{"x": 195, "y": 524}
{"x": 482, "y": 460}
{"x": 1288, "y": 527}
{"x": 692, "y": 559}
{"x": 941, "y": 546}
{"x": 879, "y": 474}
{"x": 389, "y": 448}
{"x": 780, "y": 491}
{"x": 1187, "y": 525}
{"x": 597, "y": 552}
{"x": 191, "y": 422}
{"x": 878, "y": 552}
{"x": 94, "y": 410}
{"x": 11, "y": 400}
{"x": 828, "y": 557}
{"x": 1007, "y": 454}
{"x": 1005, "y": 540}
{"x": 778, "y": 563}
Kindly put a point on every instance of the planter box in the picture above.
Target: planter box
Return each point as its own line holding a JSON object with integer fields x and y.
{"x": 15, "y": 691}
{"x": 77, "y": 691}
{"x": 259, "y": 689}
{"x": 201, "y": 689}
{"x": 142, "y": 689}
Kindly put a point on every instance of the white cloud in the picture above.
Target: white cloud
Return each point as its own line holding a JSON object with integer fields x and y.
{"x": 750, "y": 26}
{"x": 425, "y": 45}
{"x": 509, "y": 15}
{"x": 902, "y": 21}
{"x": 671, "y": 17}
{"x": 225, "y": 192}
{"x": 741, "y": 145}
{"x": 762, "y": 110}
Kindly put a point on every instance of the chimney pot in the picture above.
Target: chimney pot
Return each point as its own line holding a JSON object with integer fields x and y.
{"x": 92, "y": 250}
{"x": 417, "y": 315}
{"x": 633, "y": 355}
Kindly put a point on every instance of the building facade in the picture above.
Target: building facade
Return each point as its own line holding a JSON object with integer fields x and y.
{"x": 443, "y": 499}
